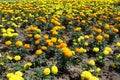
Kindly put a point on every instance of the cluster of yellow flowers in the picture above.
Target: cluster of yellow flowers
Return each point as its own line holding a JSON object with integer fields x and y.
{"x": 47, "y": 71}
{"x": 17, "y": 76}
{"x": 9, "y": 32}
{"x": 86, "y": 75}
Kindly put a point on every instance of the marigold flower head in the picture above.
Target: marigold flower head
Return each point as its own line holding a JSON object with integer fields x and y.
{"x": 46, "y": 71}
{"x": 27, "y": 46}
{"x": 54, "y": 69}
{"x": 86, "y": 75}
{"x": 19, "y": 73}
{"x": 106, "y": 52}
{"x": 60, "y": 41}
{"x": 19, "y": 43}
{"x": 45, "y": 36}
{"x": 99, "y": 38}
{"x": 44, "y": 48}
{"x": 53, "y": 39}
{"x": 93, "y": 78}
{"x": 37, "y": 42}
{"x": 9, "y": 58}
{"x": 37, "y": 36}
{"x": 8, "y": 43}
{"x": 98, "y": 70}
{"x": 27, "y": 65}
{"x": 96, "y": 49}
{"x": 17, "y": 58}
{"x": 118, "y": 44}
{"x": 38, "y": 52}
{"x": 91, "y": 62}
{"x": 9, "y": 75}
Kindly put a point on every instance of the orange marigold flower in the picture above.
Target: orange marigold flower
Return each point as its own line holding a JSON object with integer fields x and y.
{"x": 46, "y": 36}
{"x": 67, "y": 53}
{"x": 50, "y": 44}
{"x": 8, "y": 43}
{"x": 38, "y": 52}
{"x": 115, "y": 30}
{"x": 37, "y": 42}
{"x": 106, "y": 36}
{"x": 29, "y": 35}
{"x": 44, "y": 48}
{"x": 99, "y": 38}
{"x": 91, "y": 36}
{"x": 19, "y": 43}
{"x": 77, "y": 50}
{"x": 27, "y": 46}
{"x": 62, "y": 45}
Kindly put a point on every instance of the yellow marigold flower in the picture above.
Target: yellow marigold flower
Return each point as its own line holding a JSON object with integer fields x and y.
{"x": 9, "y": 58}
{"x": 17, "y": 58}
{"x": 91, "y": 70}
{"x": 118, "y": 44}
{"x": 37, "y": 36}
{"x": 86, "y": 75}
{"x": 113, "y": 65}
{"x": 107, "y": 26}
{"x": 3, "y": 30}
{"x": 77, "y": 29}
{"x": 82, "y": 37}
{"x": 4, "y": 35}
{"x": 86, "y": 43}
{"x": 8, "y": 43}
{"x": 54, "y": 69}
{"x": 15, "y": 77}
{"x": 46, "y": 71}
{"x": 106, "y": 52}
{"x": 100, "y": 57}
{"x": 86, "y": 37}
{"x": 79, "y": 39}
{"x": 27, "y": 65}
{"x": 15, "y": 34}
{"x": 19, "y": 43}
{"x": 108, "y": 49}
{"x": 2, "y": 63}
{"x": 96, "y": 49}
{"x": 19, "y": 73}
{"x": 98, "y": 70}
{"x": 38, "y": 52}
{"x": 60, "y": 41}
{"x": 53, "y": 39}
{"x": 93, "y": 78}
{"x": 91, "y": 62}
{"x": 54, "y": 32}
{"x": 118, "y": 56}
{"x": 10, "y": 34}
{"x": 9, "y": 75}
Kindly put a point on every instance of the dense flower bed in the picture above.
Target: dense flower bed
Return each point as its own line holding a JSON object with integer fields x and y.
{"x": 44, "y": 39}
